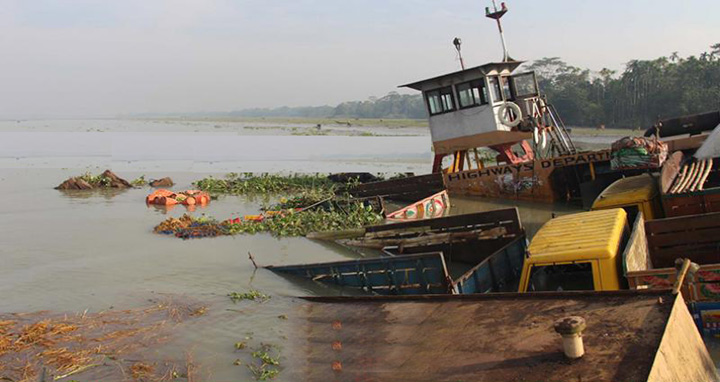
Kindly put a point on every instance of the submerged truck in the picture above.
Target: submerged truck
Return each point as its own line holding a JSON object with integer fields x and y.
{"x": 599, "y": 250}
{"x": 685, "y": 186}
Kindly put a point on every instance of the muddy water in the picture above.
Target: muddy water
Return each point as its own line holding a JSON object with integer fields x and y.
{"x": 71, "y": 251}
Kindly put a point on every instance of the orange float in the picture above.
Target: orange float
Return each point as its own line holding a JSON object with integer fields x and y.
{"x": 164, "y": 197}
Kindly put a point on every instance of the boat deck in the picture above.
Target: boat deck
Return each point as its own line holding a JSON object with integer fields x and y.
{"x": 502, "y": 337}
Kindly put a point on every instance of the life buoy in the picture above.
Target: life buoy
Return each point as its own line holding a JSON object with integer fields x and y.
{"x": 504, "y": 116}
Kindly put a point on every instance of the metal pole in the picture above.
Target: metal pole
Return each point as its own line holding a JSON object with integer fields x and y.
{"x": 506, "y": 56}
{"x": 458, "y": 46}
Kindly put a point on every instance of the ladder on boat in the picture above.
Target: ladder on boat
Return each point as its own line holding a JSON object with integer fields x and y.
{"x": 562, "y": 144}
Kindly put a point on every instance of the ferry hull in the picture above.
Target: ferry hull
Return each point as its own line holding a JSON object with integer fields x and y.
{"x": 540, "y": 180}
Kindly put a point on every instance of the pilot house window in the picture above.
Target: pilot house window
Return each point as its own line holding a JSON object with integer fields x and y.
{"x": 440, "y": 100}
{"x": 472, "y": 93}
{"x": 495, "y": 89}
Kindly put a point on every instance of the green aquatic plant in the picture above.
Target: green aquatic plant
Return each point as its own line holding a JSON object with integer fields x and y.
{"x": 249, "y": 183}
{"x": 354, "y": 215}
{"x": 252, "y": 295}
{"x": 265, "y": 365}
{"x": 304, "y": 199}
{"x": 96, "y": 180}
{"x": 139, "y": 182}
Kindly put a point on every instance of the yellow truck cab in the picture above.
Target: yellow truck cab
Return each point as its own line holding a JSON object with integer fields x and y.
{"x": 634, "y": 194}
{"x": 577, "y": 252}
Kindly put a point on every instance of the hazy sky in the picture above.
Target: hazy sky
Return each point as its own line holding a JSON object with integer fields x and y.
{"x": 64, "y": 58}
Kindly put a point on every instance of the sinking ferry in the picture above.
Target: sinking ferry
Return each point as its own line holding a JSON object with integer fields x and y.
{"x": 494, "y": 134}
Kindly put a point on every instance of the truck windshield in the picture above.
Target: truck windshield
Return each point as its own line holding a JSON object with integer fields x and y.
{"x": 560, "y": 277}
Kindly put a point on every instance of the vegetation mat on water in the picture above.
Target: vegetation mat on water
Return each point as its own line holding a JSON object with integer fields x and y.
{"x": 352, "y": 216}
{"x": 108, "y": 345}
{"x": 249, "y": 184}
{"x": 285, "y": 223}
{"x": 303, "y": 200}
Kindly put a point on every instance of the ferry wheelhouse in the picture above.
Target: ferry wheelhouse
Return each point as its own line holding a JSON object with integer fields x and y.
{"x": 494, "y": 134}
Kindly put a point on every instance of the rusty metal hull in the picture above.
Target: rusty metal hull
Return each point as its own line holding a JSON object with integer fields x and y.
{"x": 500, "y": 337}
{"x": 542, "y": 180}
{"x": 407, "y": 189}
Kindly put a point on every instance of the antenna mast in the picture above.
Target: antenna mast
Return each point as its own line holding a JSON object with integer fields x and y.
{"x": 457, "y": 42}
{"x": 497, "y": 15}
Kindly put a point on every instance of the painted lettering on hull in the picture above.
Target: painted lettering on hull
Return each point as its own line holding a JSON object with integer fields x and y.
{"x": 529, "y": 181}
{"x": 546, "y": 164}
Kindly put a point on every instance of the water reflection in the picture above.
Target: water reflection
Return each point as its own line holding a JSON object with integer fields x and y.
{"x": 105, "y": 193}
{"x": 164, "y": 210}
{"x": 532, "y": 215}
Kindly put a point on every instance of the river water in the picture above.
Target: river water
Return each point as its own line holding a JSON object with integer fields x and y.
{"x": 77, "y": 251}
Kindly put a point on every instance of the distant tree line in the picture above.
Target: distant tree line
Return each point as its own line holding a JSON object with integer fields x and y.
{"x": 393, "y": 105}
{"x": 645, "y": 91}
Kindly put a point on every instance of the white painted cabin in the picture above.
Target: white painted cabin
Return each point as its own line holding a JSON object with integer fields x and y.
{"x": 464, "y": 106}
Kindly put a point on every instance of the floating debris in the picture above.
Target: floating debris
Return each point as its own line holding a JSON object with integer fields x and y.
{"x": 164, "y": 182}
{"x": 87, "y": 181}
{"x": 165, "y": 197}
{"x": 266, "y": 362}
{"x": 188, "y": 227}
{"x": 68, "y": 345}
{"x": 139, "y": 182}
{"x": 253, "y": 295}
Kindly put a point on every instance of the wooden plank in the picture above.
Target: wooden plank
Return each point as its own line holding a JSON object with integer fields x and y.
{"x": 429, "y": 239}
{"x": 636, "y": 256}
{"x": 682, "y": 223}
{"x": 700, "y": 235}
{"x": 669, "y": 171}
{"x": 508, "y": 218}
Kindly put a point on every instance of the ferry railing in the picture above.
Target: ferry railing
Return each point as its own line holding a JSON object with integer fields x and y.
{"x": 562, "y": 134}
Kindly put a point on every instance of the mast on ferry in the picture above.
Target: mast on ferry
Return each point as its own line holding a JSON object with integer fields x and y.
{"x": 497, "y": 15}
